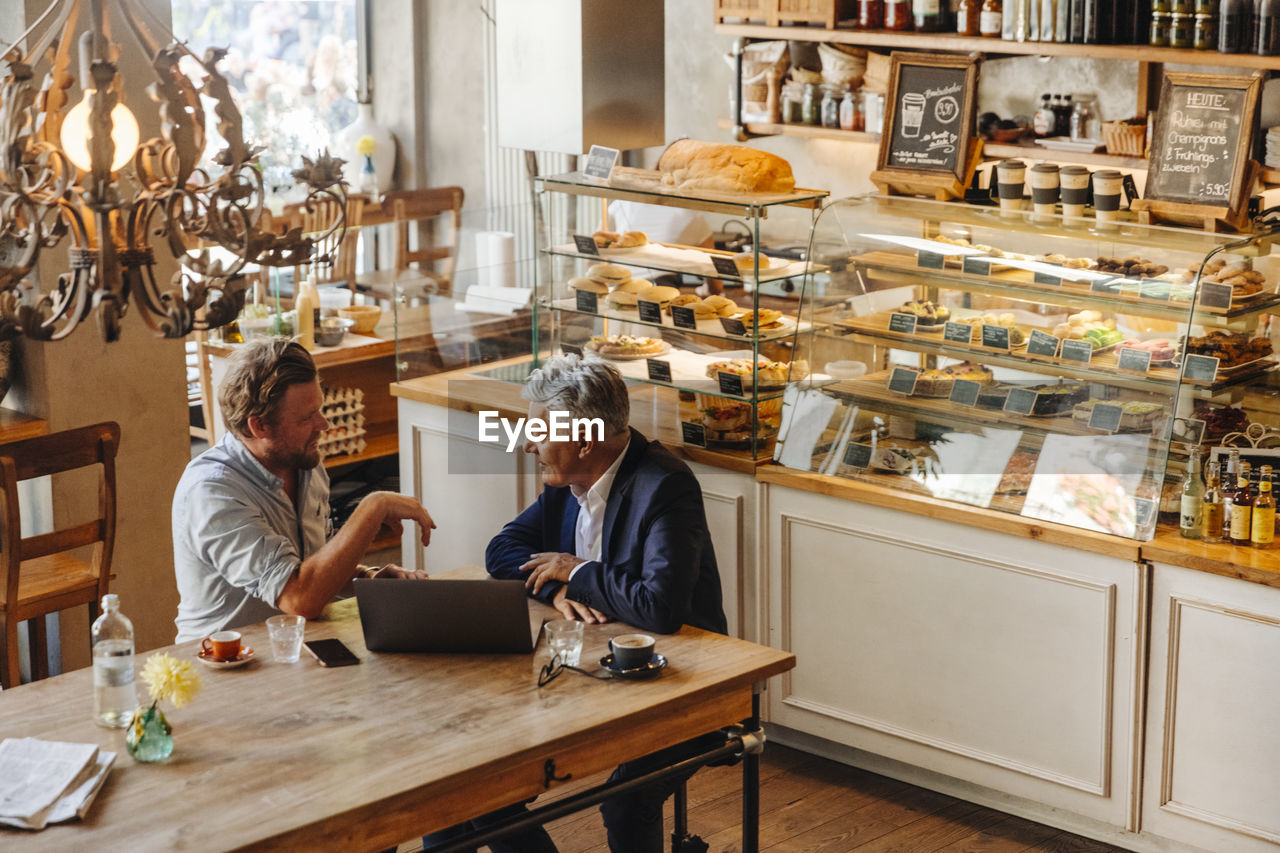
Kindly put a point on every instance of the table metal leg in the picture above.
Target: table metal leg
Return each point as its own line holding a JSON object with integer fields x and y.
{"x": 751, "y": 781}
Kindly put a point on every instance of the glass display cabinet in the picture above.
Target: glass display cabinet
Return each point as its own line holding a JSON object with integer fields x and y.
{"x": 1026, "y": 363}
{"x": 717, "y": 327}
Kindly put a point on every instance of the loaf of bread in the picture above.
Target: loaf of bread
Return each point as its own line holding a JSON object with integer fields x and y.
{"x": 689, "y": 164}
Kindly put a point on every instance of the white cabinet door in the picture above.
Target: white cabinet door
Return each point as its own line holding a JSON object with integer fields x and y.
{"x": 1003, "y": 662}
{"x": 470, "y": 488}
{"x": 1212, "y": 774}
{"x": 729, "y": 499}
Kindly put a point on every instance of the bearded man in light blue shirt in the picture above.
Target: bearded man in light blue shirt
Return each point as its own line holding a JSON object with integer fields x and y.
{"x": 251, "y": 514}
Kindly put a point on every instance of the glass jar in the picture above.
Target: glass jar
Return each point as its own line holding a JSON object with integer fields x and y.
{"x": 1159, "y": 29}
{"x": 848, "y": 111}
{"x": 811, "y": 107}
{"x": 1181, "y": 30}
{"x": 991, "y": 22}
{"x": 1160, "y": 6}
{"x": 897, "y": 15}
{"x": 1206, "y": 33}
{"x": 831, "y": 96}
{"x": 968, "y": 17}
{"x": 1085, "y": 123}
{"x": 792, "y": 110}
{"x": 870, "y": 14}
{"x": 1182, "y": 7}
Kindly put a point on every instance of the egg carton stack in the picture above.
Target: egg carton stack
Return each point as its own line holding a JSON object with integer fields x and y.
{"x": 344, "y": 407}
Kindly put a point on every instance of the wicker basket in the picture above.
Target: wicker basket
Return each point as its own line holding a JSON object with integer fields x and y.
{"x": 825, "y": 13}
{"x": 1123, "y": 138}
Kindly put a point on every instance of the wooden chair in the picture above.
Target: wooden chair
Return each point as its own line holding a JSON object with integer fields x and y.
{"x": 39, "y": 574}
{"x": 427, "y": 267}
{"x": 340, "y": 255}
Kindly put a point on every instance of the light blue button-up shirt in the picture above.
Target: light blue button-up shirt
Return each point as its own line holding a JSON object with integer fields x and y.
{"x": 237, "y": 538}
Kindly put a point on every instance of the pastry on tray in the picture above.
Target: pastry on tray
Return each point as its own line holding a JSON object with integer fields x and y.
{"x": 1219, "y": 420}
{"x": 765, "y": 318}
{"x": 614, "y": 240}
{"x": 590, "y": 285}
{"x": 939, "y": 381}
{"x": 770, "y": 374}
{"x": 1080, "y": 323}
{"x": 1130, "y": 267}
{"x": 1138, "y": 416}
{"x": 1161, "y": 350}
{"x": 722, "y": 305}
{"x": 691, "y": 165}
{"x": 1017, "y": 337}
{"x": 728, "y": 421}
{"x": 610, "y": 274}
{"x": 1243, "y": 280}
{"x": 659, "y": 293}
{"x": 1230, "y": 348}
{"x": 926, "y": 313}
{"x": 1058, "y": 399}
{"x": 701, "y": 310}
{"x": 625, "y": 346}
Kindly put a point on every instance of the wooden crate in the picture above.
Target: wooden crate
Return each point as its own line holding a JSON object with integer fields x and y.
{"x": 823, "y": 13}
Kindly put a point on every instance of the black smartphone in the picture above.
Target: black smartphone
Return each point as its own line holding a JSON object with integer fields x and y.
{"x": 331, "y": 653}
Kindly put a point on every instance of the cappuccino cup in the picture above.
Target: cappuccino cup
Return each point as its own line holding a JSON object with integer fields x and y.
{"x": 1044, "y": 188}
{"x": 1010, "y": 180}
{"x": 1107, "y": 186}
{"x": 224, "y": 645}
{"x": 1075, "y": 190}
{"x": 631, "y": 651}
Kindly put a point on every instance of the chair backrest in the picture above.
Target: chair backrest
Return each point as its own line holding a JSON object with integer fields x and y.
{"x": 54, "y": 454}
{"x": 425, "y": 208}
{"x": 334, "y": 258}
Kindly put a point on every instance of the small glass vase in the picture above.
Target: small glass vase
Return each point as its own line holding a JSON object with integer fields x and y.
{"x": 368, "y": 179}
{"x": 149, "y": 737}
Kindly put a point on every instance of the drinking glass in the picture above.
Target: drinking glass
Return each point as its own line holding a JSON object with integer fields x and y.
{"x": 285, "y": 632}
{"x": 564, "y": 638}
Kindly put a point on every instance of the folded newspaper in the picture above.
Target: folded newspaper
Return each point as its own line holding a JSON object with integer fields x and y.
{"x": 45, "y": 781}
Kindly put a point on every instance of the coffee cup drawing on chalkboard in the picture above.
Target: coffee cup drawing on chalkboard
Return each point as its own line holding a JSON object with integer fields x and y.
{"x": 912, "y": 114}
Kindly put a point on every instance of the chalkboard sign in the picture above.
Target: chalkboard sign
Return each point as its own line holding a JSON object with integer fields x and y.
{"x": 1202, "y": 143}
{"x": 1200, "y": 368}
{"x": 1135, "y": 359}
{"x": 1106, "y": 417}
{"x": 928, "y": 139}
{"x": 903, "y": 380}
{"x": 725, "y": 266}
{"x": 650, "y": 312}
{"x": 695, "y": 434}
{"x": 976, "y": 266}
{"x": 730, "y": 383}
{"x": 857, "y": 455}
{"x": 958, "y": 333}
{"x": 904, "y": 324}
{"x": 1043, "y": 343}
{"x": 659, "y": 371}
{"x": 1021, "y": 401}
{"x": 1081, "y": 351}
{"x": 586, "y": 245}
{"x": 683, "y": 317}
{"x": 586, "y": 301}
{"x": 965, "y": 392}
{"x": 1214, "y": 295}
{"x": 600, "y": 161}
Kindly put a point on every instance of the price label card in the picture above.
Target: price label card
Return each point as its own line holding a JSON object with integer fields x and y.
{"x": 1144, "y": 512}
{"x": 695, "y": 434}
{"x": 1201, "y": 368}
{"x": 903, "y": 380}
{"x": 586, "y": 245}
{"x": 1106, "y": 417}
{"x": 1021, "y": 401}
{"x": 1215, "y": 295}
{"x": 1081, "y": 351}
{"x": 857, "y": 455}
{"x": 733, "y": 326}
{"x": 930, "y": 260}
{"x": 1135, "y": 359}
{"x": 682, "y": 317}
{"x": 1043, "y": 343}
{"x": 1131, "y": 188}
{"x": 1046, "y": 278}
{"x": 725, "y": 266}
{"x": 958, "y": 333}
{"x": 996, "y": 337}
{"x": 965, "y": 392}
{"x": 600, "y": 162}
{"x": 650, "y": 312}
{"x": 571, "y": 349}
{"x": 974, "y": 266}
{"x": 659, "y": 371}
{"x": 1104, "y": 285}
{"x": 730, "y": 383}
{"x": 1158, "y": 291}
{"x": 902, "y": 323}
{"x": 1188, "y": 430}
{"x": 587, "y": 301}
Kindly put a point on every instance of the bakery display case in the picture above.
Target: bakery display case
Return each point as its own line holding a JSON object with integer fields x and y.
{"x": 718, "y": 328}
{"x": 1037, "y": 365}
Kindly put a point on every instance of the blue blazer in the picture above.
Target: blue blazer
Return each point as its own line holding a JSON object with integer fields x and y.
{"x": 657, "y": 568}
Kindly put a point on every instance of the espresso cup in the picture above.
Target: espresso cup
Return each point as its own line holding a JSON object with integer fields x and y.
{"x": 1045, "y": 187}
{"x": 224, "y": 645}
{"x": 1075, "y": 190}
{"x": 1107, "y": 186}
{"x": 1010, "y": 180}
{"x": 631, "y": 651}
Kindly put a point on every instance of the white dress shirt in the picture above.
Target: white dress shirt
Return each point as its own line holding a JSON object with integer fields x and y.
{"x": 589, "y": 527}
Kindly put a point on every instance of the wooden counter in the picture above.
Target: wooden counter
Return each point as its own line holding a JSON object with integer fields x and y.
{"x": 15, "y": 426}
{"x": 1232, "y": 561}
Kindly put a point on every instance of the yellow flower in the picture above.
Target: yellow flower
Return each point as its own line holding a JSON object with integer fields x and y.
{"x": 366, "y": 145}
{"x": 170, "y": 678}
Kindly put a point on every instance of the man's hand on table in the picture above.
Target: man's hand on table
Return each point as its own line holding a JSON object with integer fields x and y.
{"x": 576, "y": 610}
{"x": 548, "y": 566}
{"x": 394, "y": 571}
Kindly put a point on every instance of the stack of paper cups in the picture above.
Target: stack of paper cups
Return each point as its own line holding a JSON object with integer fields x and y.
{"x": 496, "y": 258}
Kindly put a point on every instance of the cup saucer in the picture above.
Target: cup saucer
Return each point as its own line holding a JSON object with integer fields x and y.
{"x": 246, "y": 655}
{"x": 655, "y": 665}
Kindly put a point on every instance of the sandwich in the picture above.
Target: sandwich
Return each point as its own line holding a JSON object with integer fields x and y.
{"x": 589, "y": 285}
{"x": 610, "y": 274}
{"x": 660, "y": 293}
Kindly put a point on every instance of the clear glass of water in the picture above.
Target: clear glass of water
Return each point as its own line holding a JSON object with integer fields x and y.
{"x": 564, "y": 638}
{"x": 285, "y": 632}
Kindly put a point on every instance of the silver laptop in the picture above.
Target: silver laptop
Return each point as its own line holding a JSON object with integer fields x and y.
{"x": 403, "y": 615}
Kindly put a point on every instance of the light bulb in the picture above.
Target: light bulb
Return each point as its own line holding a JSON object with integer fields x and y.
{"x": 75, "y": 134}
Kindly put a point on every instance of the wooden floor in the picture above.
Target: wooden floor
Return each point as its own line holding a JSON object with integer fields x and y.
{"x": 810, "y": 804}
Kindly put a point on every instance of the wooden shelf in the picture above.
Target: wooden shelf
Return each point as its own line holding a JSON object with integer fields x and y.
{"x": 1001, "y": 151}
{"x": 381, "y": 440}
{"x": 999, "y": 47}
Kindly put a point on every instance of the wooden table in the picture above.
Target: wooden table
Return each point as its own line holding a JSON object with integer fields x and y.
{"x": 295, "y": 756}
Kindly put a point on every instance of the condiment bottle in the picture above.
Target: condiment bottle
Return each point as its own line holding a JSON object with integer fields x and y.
{"x": 848, "y": 111}
{"x": 1266, "y": 28}
{"x": 968, "y": 17}
{"x": 991, "y": 22}
{"x": 927, "y": 15}
{"x": 870, "y": 14}
{"x": 1242, "y": 508}
{"x": 1262, "y": 531}
{"x": 897, "y": 15}
{"x": 1211, "y": 515}
{"x": 304, "y": 324}
{"x": 1234, "y": 19}
{"x": 1191, "y": 518}
{"x": 1229, "y": 480}
{"x": 1044, "y": 121}
{"x": 1205, "y": 35}
{"x": 114, "y": 694}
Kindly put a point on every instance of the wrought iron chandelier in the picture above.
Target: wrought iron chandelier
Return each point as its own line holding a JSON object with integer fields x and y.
{"x": 79, "y": 175}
